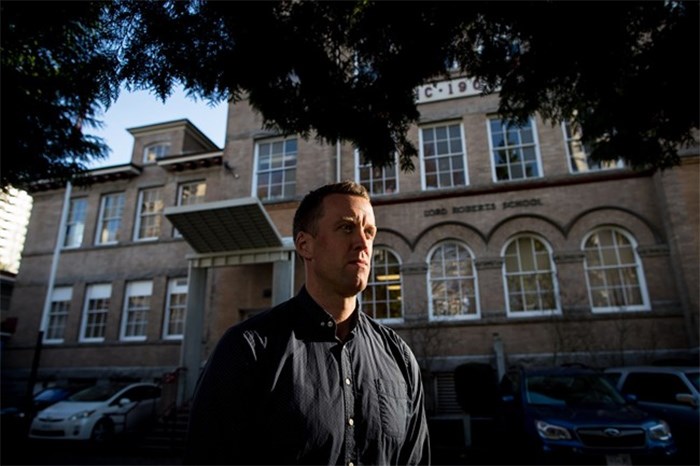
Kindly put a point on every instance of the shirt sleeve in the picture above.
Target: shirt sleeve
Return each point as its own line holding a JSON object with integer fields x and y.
{"x": 416, "y": 448}
{"x": 221, "y": 404}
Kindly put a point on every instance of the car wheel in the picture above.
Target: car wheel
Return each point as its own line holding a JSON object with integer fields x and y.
{"x": 103, "y": 432}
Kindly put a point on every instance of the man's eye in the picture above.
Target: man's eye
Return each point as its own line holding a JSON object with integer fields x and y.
{"x": 347, "y": 228}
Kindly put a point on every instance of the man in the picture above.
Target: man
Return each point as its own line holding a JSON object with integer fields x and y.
{"x": 314, "y": 380}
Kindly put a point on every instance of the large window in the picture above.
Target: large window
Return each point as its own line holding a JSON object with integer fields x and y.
{"x": 148, "y": 217}
{"x": 156, "y": 151}
{"x": 514, "y": 151}
{"x": 452, "y": 282}
{"x": 190, "y": 193}
{"x": 614, "y": 272}
{"x": 75, "y": 224}
{"x": 382, "y": 298}
{"x": 111, "y": 209}
{"x": 580, "y": 160}
{"x": 443, "y": 157}
{"x": 175, "y": 308}
{"x": 58, "y": 314}
{"x": 95, "y": 312}
{"x": 377, "y": 180}
{"x": 276, "y": 169}
{"x": 529, "y": 275}
{"x": 137, "y": 305}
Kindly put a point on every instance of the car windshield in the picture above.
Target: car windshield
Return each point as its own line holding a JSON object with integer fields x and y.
{"x": 577, "y": 389}
{"x": 96, "y": 393}
{"x": 50, "y": 394}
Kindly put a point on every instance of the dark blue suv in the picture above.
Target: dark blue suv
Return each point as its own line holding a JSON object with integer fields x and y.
{"x": 573, "y": 415}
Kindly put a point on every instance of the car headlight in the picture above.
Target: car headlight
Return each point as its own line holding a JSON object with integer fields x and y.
{"x": 551, "y": 432}
{"x": 660, "y": 431}
{"x": 81, "y": 415}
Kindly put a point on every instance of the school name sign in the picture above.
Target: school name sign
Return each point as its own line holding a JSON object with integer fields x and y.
{"x": 461, "y": 209}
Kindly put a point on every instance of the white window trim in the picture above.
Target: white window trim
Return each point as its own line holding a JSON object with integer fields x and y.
{"x": 100, "y": 220}
{"x": 137, "y": 222}
{"x": 95, "y": 291}
{"x": 646, "y": 304}
{"x": 431, "y": 312}
{"x": 421, "y": 156}
{"x": 396, "y": 167}
{"x": 137, "y": 288}
{"x": 68, "y": 222}
{"x": 173, "y": 288}
{"x": 147, "y": 147}
{"x": 392, "y": 320}
{"x": 538, "y": 154}
{"x": 256, "y": 157}
{"x": 555, "y": 280}
{"x": 59, "y": 294}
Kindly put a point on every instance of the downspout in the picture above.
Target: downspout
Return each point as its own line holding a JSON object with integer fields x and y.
{"x": 60, "y": 238}
{"x": 337, "y": 160}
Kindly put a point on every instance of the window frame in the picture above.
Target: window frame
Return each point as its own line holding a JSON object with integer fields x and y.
{"x": 198, "y": 199}
{"x": 175, "y": 287}
{"x": 157, "y": 154}
{"x": 535, "y": 145}
{"x": 104, "y": 223}
{"x": 156, "y": 214}
{"x": 370, "y": 183}
{"x": 130, "y": 314}
{"x": 75, "y": 223}
{"x": 438, "y": 157}
{"x": 64, "y": 296}
{"x": 474, "y": 278}
{"x": 373, "y": 283}
{"x": 269, "y": 172}
{"x": 95, "y": 292}
{"x": 572, "y": 136}
{"x": 645, "y": 305}
{"x": 552, "y": 272}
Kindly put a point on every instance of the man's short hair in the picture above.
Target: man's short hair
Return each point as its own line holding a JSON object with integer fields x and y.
{"x": 310, "y": 209}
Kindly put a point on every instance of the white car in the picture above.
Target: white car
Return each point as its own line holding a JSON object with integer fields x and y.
{"x": 98, "y": 412}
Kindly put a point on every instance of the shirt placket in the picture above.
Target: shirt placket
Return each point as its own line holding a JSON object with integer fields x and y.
{"x": 348, "y": 382}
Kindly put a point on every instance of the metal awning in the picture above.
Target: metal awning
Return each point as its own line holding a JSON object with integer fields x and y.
{"x": 228, "y": 226}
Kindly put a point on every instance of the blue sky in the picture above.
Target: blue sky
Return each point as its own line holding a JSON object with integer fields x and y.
{"x": 141, "y": 108}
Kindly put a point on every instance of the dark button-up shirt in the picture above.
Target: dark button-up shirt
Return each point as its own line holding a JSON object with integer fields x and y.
{"x": 280, "y": 388}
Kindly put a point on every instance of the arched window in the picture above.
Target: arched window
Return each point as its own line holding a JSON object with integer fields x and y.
{"x": 156, "y": 151}
{"x": 529, "y": 276}
{"x": 382, "y": 299}
{"x": 452, "y": 282}
{"x": 614, "y": 273}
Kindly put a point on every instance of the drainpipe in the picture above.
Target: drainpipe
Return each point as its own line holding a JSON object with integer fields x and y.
{"x": 337, "y": 160}
{"x": 60, "y": 238}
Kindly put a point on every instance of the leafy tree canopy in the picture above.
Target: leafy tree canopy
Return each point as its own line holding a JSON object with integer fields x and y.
{"x": 626, "y": 72}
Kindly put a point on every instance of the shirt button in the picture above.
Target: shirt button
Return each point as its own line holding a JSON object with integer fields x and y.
{"x": 347, "y": 381}
{"x": 330, "y": 324}
{"x": 351, "y": 421}
{"x": 351, "y": 463}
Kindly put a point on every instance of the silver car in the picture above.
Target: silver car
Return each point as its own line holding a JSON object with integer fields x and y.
{"x": 99, "y": 412}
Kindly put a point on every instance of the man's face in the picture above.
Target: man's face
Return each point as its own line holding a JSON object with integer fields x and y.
{"x": 339, "y": 256}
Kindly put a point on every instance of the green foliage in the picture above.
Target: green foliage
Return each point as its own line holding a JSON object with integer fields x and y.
{"x": 56, "y": 72}
{"x": 626, "y": 72}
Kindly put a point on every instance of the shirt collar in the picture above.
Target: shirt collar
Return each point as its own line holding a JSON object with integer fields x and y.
{"x": 314, "y": 322}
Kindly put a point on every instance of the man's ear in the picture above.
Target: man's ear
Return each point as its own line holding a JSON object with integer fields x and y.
{"x": 304, "y": 245}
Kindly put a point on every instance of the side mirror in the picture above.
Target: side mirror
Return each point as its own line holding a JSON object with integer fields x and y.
{"x": 508, "y": 398}
{"x": 687, "y": 398}
{"x": 124, "y": 401}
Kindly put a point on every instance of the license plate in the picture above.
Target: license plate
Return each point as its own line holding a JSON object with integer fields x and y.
{"x": 618, "y": 460}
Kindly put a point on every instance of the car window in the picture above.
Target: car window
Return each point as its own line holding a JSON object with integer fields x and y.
{"x": 51, "y": 394}
{"x": 96, "y": 393}
{"x": 654, "y": 387}
{"x": 694, "y": 377}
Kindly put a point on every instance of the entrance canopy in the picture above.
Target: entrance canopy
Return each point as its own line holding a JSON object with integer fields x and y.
{"x": 225, "y": 226}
